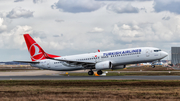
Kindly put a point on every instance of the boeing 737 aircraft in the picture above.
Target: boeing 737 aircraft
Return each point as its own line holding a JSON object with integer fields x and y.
{"x": 113, "y": 59}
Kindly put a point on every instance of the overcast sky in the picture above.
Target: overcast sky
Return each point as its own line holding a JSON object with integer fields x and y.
{"x": 67, "y": 27}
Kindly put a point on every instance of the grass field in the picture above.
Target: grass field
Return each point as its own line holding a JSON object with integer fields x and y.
{"x": 147, "y": 68}
{"x": 129, "y": 74}
{"x": 92, "y": 90}
{"x": 158, "y": 70}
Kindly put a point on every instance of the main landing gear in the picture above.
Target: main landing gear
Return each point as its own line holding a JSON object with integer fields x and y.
{"x": 90, "y": 72}
{"x": 99, "y": 72}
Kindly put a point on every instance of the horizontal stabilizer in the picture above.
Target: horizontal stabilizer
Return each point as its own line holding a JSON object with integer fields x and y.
{"x": 33, "y": 62}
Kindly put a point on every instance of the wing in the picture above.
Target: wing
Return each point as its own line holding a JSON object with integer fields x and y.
{"x": 84, "y": 64}
{"x": 33, "y": 62}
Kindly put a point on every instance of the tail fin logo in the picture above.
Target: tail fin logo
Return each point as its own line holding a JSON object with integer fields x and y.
{"x": 35, "y": 52}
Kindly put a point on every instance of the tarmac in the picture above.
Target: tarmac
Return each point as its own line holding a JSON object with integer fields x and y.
{"x": 29, "y": 73}
{"x": 56, "y": 75}
{"x": 89, "y": 77}
{"x": 50, "y": 72}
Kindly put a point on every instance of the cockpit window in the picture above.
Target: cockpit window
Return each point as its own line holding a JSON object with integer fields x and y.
{"x": 157, "y": 50}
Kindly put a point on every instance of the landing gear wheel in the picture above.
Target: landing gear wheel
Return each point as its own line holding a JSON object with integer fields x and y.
{"x": 90, "y": 72}
{"x": 99, "y": 72}
{"x": 153, "y": 66}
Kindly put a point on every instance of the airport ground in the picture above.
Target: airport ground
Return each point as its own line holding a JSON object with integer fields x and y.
{"x": 125, "y": 87}
{"x": 15, "y": 70}
{"x": 90, "y": 90}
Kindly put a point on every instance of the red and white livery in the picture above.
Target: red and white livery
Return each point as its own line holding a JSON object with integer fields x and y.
{"x": 99, "y": 61}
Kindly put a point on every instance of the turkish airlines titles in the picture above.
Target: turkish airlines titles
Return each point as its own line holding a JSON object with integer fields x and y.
{"x": 123, "y": 52}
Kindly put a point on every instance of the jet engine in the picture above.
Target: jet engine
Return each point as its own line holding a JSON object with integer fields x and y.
{"x": 103, "y": 65}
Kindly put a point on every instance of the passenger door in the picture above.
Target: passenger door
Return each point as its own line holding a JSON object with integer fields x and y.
{"x": 97, "y": 58}
{"x": 48, "y": 63}
{"x": 147, "y": 53}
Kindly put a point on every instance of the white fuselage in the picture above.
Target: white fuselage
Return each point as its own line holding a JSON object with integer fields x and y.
{"x": 116, "y": 57}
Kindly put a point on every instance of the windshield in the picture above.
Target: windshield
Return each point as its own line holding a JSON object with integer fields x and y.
{"x": 157, "y": 50}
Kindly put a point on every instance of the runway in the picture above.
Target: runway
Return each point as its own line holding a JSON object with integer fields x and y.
{"x": 89, "y": 77}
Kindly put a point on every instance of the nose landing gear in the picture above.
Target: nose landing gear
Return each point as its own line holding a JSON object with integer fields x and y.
{"x": 153, "y": 65}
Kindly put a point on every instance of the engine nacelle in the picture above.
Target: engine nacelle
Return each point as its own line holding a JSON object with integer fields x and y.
{"x": 103, "y": 65}
{"x": 119, "y": 67}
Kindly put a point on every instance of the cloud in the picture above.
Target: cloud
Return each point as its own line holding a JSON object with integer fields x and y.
{"x": 39, "y": 34}
{"x": 18, "y": 0}
{"x": 37, "y": 1}
{"x": 97, "y": 30}
{"x": 34, "y": 1}
{"x": 167, "y": 5}
{"x": 126, "y": 27}
{"x": 166, "y": 18}
{"x": 57, "y": 20}
{"x": 77, "y": 6}
{"x": 14, "y": 38}
{"x": 2, "y": 27}
{"x": 123, "y": 0}
{"x": 144, "y": 9}
{"x": 146, "y": 32}
{"x": 119, "y": 8}
{"x": 19, "y": 12}
{"x": 56, "y": 36}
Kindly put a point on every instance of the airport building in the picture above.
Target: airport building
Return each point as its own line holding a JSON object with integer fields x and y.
{"x": 175, "y": 55}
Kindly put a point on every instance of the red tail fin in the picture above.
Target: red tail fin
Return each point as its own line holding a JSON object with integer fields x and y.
{"x": 36, "y": 52}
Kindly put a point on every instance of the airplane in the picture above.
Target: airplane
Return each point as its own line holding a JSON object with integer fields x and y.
{"x": 101, "y": 60}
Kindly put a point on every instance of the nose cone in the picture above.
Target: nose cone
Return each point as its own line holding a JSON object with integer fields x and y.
{"x": 164, "y": 54}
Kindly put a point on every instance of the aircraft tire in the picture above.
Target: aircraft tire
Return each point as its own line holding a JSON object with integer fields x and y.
{"x": 90, "y": 73}
{"x": 99, "y": 72}
{"x": 153, "y": 66}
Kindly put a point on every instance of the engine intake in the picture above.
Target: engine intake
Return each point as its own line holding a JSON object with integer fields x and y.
{"x": 103, "y": 65}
